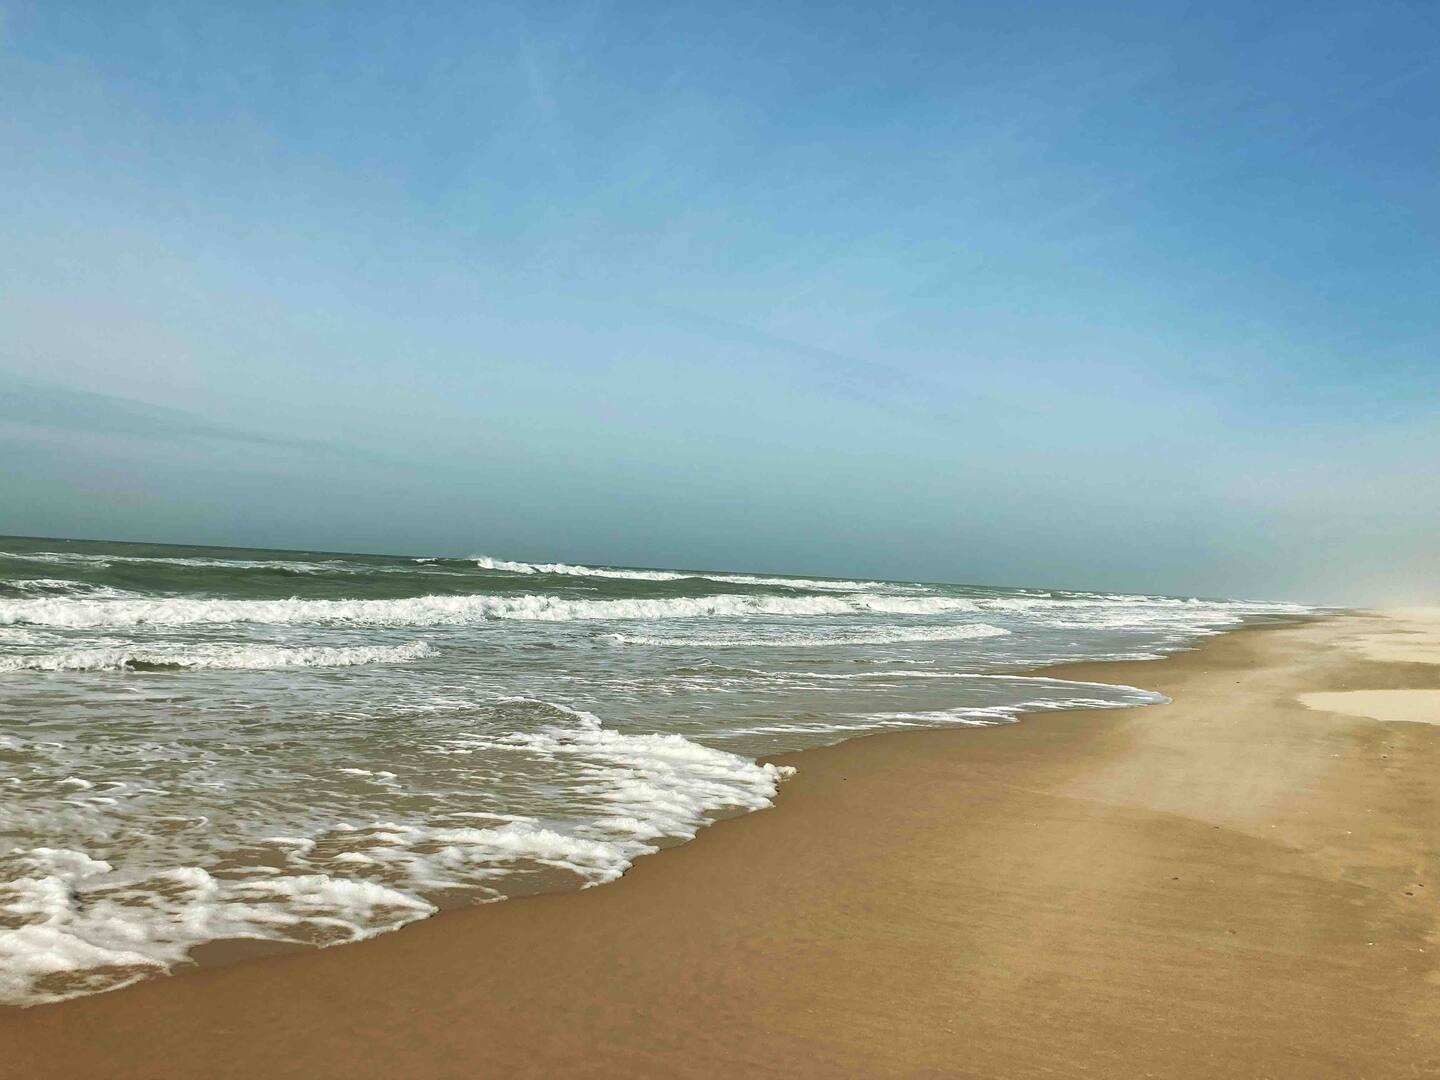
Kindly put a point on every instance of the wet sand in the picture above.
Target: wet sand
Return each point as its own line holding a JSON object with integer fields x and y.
{"x": 1231, "y": 885}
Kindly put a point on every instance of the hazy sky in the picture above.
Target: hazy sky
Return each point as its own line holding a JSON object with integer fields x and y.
{"x": 1134, "y": 296}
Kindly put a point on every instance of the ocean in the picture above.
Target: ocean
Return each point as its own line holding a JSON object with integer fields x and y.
{"x": 205, "y": 744}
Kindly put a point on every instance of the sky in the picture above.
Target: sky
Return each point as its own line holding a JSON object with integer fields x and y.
{"x": 1141, "y": 297}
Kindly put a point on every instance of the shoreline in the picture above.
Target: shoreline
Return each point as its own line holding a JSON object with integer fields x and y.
{"x": 1228, "y": 884}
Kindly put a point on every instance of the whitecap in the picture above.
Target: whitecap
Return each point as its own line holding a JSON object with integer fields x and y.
{"x": 785, "y": 638}
{"x": 487, "y": 562}
{"x": 449, "y": 610}
{"x": 181, "y": 656}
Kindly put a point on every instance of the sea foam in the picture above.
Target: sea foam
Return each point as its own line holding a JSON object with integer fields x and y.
{"x": 784, "y": 637}
{"x": 71, "y": 923}
{"x": 183, "y": 656}
{"x": 75, "y": 925}
{"x": 102, "y": 562}
{"x": 486, "y": 562}
{"x": 448, "y": 610}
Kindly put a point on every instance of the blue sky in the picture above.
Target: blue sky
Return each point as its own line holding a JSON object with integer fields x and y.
{"x": 1131, "y": 296}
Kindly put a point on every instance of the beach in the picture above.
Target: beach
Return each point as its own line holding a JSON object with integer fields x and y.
{"x": 1232, "y": 884}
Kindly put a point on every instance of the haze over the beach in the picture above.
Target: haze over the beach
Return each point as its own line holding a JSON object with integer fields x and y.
{"x": 1140, "y": 297}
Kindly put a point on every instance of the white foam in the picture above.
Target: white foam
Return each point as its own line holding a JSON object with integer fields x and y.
{"x": 884, "y": 635}
{"x": 826, "y": 584}
{"x": 843, "y": 726}
{"x": 486, "y": 562}
{"x": 74, "y": 924}
{"x": 202, "y": 655}
{"x": 77, "y": 925}
{"x": 1137, "y": 609}
{"x": 626, "y": 793}
{"x": 43, "y": 585}
{"x": 1117, "y": 696}
{"x": 648, "y": 786}
{"x": 101, "y": 562}
{"x": 379, "y": 776}
{"x": 66, "y": 587}
{"x": 908, "y": 673}
{"x": 448, "y": 610}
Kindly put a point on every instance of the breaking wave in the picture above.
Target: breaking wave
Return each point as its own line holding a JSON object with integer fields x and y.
{"x": 72, "y": 924}
{"x": 185, "y": 657}
{"x": 486, "y": 562}
{"x": 83, "y": 923}
{"x": 447, "y": 610}
{"x": 889, "y": 635}
{"x": 101, "y": 562}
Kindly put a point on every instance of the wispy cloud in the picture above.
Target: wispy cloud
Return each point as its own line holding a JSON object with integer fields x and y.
{"x": 872, "y": 382}
{"x": 56, "y": 408}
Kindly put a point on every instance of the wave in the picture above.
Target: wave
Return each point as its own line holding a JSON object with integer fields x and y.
{"x": 912, "y": 673}
{"x": 78, "y": 558}
{"x": 285, "y": 566}
{"x": 1119, "y": 603}
{"x": 214, "y": 656}
{"x": 141, "y": 924}
{"x": 46, "y": 585}
{"x": 72, "y": 924}
{"x": 897, "y": 635}
{"x": 1004, "y": 714}
{"x": 448, "y": 610}
{"x": 823, "y": 584}
{"x": 64, "y": 587}
{"x": 651, "y": 785}
{"x": 486, "y": 562}
{"x": 837, "y": 728}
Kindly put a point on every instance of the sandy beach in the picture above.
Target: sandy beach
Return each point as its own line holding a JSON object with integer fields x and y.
{"x": 1240, "y": 883}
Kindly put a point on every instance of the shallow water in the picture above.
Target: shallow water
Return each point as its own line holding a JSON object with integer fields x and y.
{"x": 199, "y": 744}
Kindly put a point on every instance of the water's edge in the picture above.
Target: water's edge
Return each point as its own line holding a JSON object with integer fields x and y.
{"x": 226, "y": 952}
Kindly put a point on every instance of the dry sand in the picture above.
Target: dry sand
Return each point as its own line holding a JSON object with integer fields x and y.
{"x": 1404, "y": 706}
{"x": 1407, "y": 635}
{"x": 1232, "y": 885}
{"x": 1403, "y": 635}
